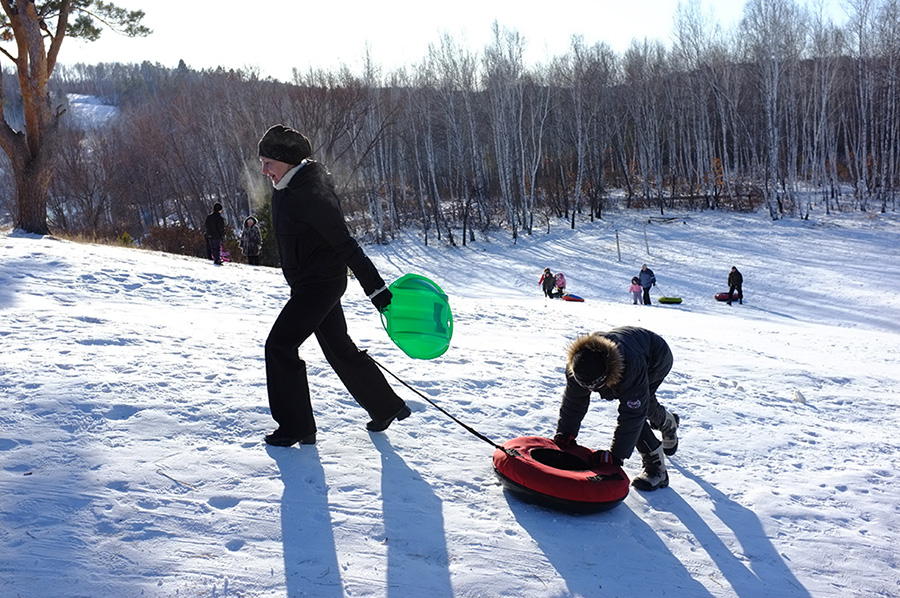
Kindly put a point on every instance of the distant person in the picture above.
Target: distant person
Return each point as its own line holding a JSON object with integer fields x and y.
{"x": 647, "y": 280}
{"x": 251, "y": 240}
{"x": 626, "y": 365}
{"x": 735, "y": 280}
{"x": 215, "y": 232}
{"x": 560, "y": 282}
{"x": 316, "y": 249}
{"x": 636, "y": 290}
{"x": 547, "y": 282}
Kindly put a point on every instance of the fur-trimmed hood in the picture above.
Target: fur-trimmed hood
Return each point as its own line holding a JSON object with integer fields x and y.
{"x": 615, "y": 364}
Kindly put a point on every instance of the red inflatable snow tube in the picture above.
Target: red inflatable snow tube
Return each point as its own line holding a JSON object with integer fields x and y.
{"x": 537, "y": 471}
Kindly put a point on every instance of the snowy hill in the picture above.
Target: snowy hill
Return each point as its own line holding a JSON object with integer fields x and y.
{"x": 133, "y": 406}
{"x": 89, "y": 112}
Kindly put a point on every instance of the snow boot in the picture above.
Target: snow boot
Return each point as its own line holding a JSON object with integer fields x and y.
{"x": 669, "y": 430}
{"x": 282, "y": 438}
{"x": 654, "y": 475}
{"x": 381, "y": 425}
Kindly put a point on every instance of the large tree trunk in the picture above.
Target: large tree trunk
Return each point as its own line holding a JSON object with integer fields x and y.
{"x": 33, "y": 159}
{"x": 32, "y": 152}
{"x": 32, "y": 184}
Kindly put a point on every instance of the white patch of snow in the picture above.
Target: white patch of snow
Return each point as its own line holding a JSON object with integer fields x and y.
{"x": 133, "y": 406}
{"x": 89, "y": 112}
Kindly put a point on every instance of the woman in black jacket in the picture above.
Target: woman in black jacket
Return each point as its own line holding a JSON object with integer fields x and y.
{"x": 251, "y": 240}
{"x": 316, "y": 249}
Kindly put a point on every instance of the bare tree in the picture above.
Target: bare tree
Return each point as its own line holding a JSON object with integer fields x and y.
{"x": 821, "y": 155}
{"x": 887, "y": 127}
{"x": 503, "y": 72}
{"x": 772, "y": 31}
{"x": 861, "y": 26}
{"x": 644, "y": 64}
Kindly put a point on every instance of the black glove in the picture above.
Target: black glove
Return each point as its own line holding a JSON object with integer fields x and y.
{"x": 382, "y": 299}
{"x": 564, "y": 441}
{"x": 602, "y": 458}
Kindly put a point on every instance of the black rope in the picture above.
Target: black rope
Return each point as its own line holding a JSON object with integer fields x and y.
{"x": 471, "y": 430}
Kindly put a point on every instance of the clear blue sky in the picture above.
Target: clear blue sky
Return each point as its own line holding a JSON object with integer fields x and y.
{"x": 281, "y": 34}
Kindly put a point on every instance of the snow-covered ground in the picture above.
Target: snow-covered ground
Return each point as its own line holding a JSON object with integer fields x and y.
{"x": 89, "y": 112}
{"x": 133, "y": 406}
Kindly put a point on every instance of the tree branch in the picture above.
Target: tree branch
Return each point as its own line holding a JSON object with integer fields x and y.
{"x": 56, "y": 40}
{"x": 15, "y": 23}
{"x": 7, "y": 54}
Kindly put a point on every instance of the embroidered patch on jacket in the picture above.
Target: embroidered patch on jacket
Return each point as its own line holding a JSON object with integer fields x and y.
{"x": 634, "y": 404}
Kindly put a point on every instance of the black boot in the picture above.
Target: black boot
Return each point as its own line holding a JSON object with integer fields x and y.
{"x": 381, "y": 425}
{"x": 281, "y": 438}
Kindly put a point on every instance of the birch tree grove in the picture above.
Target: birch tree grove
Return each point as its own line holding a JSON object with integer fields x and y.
{"x": 789, "y": 112}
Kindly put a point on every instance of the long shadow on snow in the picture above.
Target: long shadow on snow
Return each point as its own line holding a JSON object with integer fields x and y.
{"x": 310, "y": 556}
{"x": 10, "y": 279}
{"x": 767, "y": 575}
{"x": 418, "y": 563}
{"x": 612, "y": 553}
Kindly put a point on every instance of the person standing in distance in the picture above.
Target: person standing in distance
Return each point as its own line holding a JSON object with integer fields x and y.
{"x": 735, "y": 281}
{"x": 648, "y": 279}
{"x": 316, "y": 249}
{"x": 215, "y": 232}
{"x": 251, "y": 240}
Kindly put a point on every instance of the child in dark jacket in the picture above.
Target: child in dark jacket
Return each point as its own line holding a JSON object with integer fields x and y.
{"x": 625, "y": 365}
{"x": 547, "y": 282}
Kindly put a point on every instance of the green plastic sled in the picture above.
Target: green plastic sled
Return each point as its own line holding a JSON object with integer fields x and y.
{"x": 418, "y": 319}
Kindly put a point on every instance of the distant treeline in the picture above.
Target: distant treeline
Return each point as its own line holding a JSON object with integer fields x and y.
{"x": 785, "y": 112}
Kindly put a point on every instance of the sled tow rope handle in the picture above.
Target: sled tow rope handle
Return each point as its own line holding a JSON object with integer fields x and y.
{"x": 471, "y": 430}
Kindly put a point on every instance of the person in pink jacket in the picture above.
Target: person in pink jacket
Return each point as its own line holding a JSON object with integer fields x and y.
{"x": 636, "y": 290}
{"x": 560, "y": 281}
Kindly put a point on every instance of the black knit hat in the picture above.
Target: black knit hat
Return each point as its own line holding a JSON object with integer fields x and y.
{"x": 589, "y": 368}
{"x": 285, "y": 145}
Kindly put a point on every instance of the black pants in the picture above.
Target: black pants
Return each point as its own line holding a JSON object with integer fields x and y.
{"x": 317, "y": 310}
{"x": 731, "y": 295}
{"x": 656, "y": 413}
{"x": 646, "y": 295}
{"x": 213, "y": 249}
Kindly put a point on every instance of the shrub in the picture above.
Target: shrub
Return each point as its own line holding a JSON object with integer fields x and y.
{"x": 177, "y": 238}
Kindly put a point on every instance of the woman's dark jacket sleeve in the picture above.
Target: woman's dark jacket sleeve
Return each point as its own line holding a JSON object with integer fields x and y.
{"x": 314, "y": 243}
